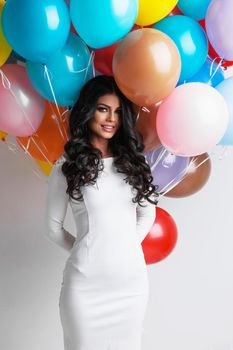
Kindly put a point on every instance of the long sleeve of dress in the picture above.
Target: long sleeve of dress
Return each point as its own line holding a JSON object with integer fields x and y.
{"x": 56, "y": 207}
{"x": 145, "y": 218}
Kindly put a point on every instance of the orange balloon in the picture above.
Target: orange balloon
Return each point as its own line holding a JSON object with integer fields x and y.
{"x": 195, "y": 178}
{"x": 146, "y": 66}
{"x": 146, "y": 125}
{"x": 48, "y": 140}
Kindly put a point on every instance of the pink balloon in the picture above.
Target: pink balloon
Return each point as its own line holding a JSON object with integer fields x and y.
{"x": 192, "y": 119}
{"x": 219, "y": 27}
{"x": 22, "y": 108}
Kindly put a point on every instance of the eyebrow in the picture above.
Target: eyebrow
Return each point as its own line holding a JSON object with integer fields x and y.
{"x": 104, "y": 104}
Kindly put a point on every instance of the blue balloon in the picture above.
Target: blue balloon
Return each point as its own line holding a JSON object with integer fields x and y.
{"x": 225, "y": 88}
{"x": 102, "y": 23}
{"x": 210, "y": 73}
{"x": 36, "y": 29}
{"x": 68, "y": 70}
{"x": 194, "y": 8}
{"x": 190, "y": 40}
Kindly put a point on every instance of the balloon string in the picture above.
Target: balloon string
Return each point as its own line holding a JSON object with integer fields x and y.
{"x": 57, "y": 121}
{"x": 223, "y": 151}
{"x": 145, "y": 109}
{"x": 28, "y": 153}
{"x": 212, "y": 74}
{"x": 90, "y": 62}
{"x": 46, "y": 73}
{"x": 138, "y": 114}
{"x": 93, "y": 67}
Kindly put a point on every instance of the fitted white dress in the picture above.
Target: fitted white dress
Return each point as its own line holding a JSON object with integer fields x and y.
{"x": 105, "y": 288}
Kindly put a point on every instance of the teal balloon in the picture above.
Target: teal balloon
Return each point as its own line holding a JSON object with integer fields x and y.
{"x": 194, "y": 8}
{"x": 36, "y": 29}
{"x": 68, "y": 70}
{"x": 225, "y": 88}
{"x": 210, "y": 73}
{"x": 102, "y": 23}
{"x": 190, "y": 40}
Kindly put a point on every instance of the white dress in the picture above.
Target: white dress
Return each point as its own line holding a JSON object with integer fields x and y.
{"x": 104, "y": 291}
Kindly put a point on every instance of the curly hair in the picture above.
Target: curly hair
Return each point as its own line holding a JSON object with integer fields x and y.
{"x": 83, "y": 160}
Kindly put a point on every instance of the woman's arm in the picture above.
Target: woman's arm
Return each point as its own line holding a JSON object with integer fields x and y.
{"x": 145, "y": 219}
{"x": 56, "y": 208}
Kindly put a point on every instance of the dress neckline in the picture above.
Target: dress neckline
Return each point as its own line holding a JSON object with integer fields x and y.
{"x": 107, "y": 158}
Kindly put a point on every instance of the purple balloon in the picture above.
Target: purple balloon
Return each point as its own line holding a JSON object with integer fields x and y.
{"x": 167, "y": 169}
{"x": 219, "y": 27}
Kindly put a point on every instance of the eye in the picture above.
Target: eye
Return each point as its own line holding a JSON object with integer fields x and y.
{"x": 119, "y": 111}
{"x": 102, "y": 109}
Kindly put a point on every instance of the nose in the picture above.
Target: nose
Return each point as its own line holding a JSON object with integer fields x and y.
{"x": 111, "y": 116}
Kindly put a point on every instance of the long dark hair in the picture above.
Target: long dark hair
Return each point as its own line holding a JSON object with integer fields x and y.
{"x": 83, "y": 160}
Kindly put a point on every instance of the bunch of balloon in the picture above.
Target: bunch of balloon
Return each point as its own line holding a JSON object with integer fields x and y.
{"x": 34, "y": 34}
{"x": 162, "y": 238}
{"x": 48, "y": 142}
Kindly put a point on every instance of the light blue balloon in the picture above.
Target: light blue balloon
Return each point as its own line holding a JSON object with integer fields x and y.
{"x": 210, "y": 73}
{"x": 194, "y": 8}
{"x": 190, "y": 40}
{"x": 102, "y": 23}
{"x": 36, "y": 29}
{"x": 226, "y": 88}
{"x": 67, "y": 71}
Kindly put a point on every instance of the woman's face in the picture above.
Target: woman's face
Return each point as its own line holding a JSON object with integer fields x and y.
{"x": 107, "y": 117}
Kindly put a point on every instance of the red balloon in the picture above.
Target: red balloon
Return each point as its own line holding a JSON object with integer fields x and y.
{"x": 175, "y": 11}
{"x": 103, "y": 59}
{"x": 161, "y": 239}
{"x": 212, "y": 53}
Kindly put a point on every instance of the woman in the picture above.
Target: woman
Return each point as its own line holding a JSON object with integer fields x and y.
{"x": 104, "y": 176}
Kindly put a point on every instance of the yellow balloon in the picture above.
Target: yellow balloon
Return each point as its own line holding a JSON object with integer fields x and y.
{"x": 46, "y": 167}
{"x": 5, "y": 48}
{"x": 3, "y": 135}
{"x": 151, "y": 11}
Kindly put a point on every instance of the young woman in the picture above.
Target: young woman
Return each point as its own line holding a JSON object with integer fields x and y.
{"x": 104, "y": 176}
